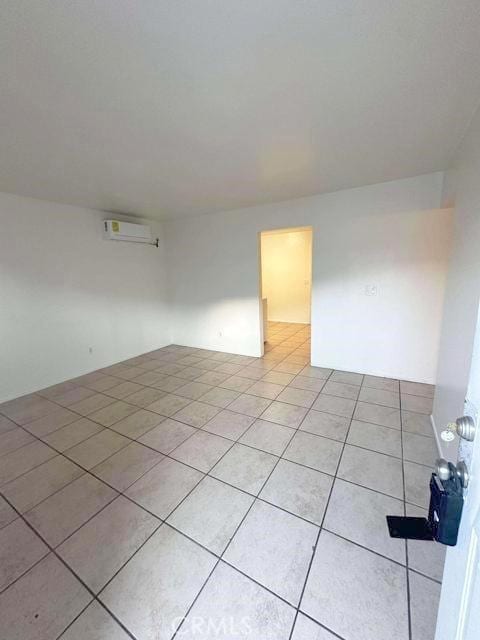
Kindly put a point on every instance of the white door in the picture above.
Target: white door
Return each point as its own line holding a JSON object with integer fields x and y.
{"x": 459, "y": 609}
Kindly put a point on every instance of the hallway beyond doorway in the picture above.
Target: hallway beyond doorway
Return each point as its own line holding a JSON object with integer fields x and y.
{"x": 290, "y": 340}
{"x": 285, "y": 260}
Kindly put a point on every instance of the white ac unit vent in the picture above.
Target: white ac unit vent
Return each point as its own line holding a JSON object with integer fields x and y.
{"x": 127, "y": 231}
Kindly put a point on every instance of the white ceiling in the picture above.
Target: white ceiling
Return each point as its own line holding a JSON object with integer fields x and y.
{"x": 179, "y": 107}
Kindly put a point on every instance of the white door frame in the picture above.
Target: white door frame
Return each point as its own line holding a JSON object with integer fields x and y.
{"x": 260, "y": 302}
{"x": 459, "y": 608}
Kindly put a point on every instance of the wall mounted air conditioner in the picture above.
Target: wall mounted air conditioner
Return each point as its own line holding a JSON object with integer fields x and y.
{"x": 127, "y": 231}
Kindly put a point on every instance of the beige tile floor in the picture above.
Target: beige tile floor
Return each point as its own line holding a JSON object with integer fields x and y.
{"x": 198, "y": 494}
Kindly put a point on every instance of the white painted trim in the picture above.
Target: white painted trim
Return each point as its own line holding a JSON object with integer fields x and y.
{"x": 437, "y": 439}
{"x": 467, "y": 592}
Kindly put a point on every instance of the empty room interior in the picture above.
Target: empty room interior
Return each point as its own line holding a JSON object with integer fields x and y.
{"x": 239, "y": 320}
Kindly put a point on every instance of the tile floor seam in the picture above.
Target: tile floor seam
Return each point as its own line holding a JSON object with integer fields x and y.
{"x": 163, "y": 521}
{"x": 304, "y": 466}
{"x": 101, "y": 604}
{"x": 120, "y": 493}
{"x": 131, "y": 440}
{"x": 424, "y": 575}
{"x": 377, "y": 553}
{"x": 409, "y": 614}
{"x": 320, "y": 624}
{"x": 125, "y": 398}
{"x": 394, "y": 428}
{"x": 17, "y": 578}
{"x": 6, "y": 525}
{"x": 233, "y": 443}
{"x": 198, "y": 429}
{"x": 229, "y": 542}
{"x": 256, "y": 581}
{"x": 315, "y": 546}
{"x": 64, "y": 453}
{"x": 83, "y": 523}
{"x": 7, "y": 453}
{"x": 381, "y": 453}
{"x": 64, "y": 562}
{"x": 353, "y": 542}
{"x": 223, "y": 408}
{"x": 91, "y": 472}
{"x": 67, "y": 566}
{"x": 84, "y": 469}
{"x": 32, "y": 468}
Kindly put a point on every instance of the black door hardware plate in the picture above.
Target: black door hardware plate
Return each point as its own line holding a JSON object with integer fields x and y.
{"x": 409, "y": 528}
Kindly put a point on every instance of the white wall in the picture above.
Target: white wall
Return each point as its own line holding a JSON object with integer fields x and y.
{"x": 64, "y": 289}
{"x": 463, "y": 286}
{"x": 286, "y": 258}
{"x": 391, "y": 235}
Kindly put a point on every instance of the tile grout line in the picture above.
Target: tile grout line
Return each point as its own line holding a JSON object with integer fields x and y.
{"x": 407, "y": 578}
{"x": 255, "y": 498}
{"x": 53, "y": 549}
{"x": 205, "y": 548}
{"x": 119, "y": 493}
{"x": 315, "y": 547}
{"x": 175, "y": 459}
{"x": 70, "y": 570}
{"x": 108, "y": 427}
{"x": 98, "y": 478}
{"x": 206, "y": 474}
{"x": 90, "y": 470}
{"x": 232, "y": 537}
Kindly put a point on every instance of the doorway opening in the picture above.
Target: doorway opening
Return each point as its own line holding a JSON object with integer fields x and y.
{"x": 285, "y": 288}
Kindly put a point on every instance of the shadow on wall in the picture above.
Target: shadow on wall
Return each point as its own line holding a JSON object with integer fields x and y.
{"x": 228, "y": 324}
